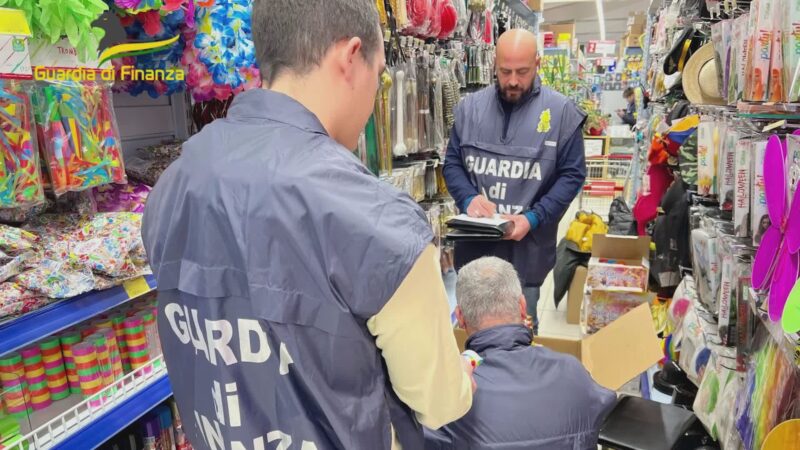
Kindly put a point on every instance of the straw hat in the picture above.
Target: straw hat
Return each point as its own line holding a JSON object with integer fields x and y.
{"x": 700, "y": 78}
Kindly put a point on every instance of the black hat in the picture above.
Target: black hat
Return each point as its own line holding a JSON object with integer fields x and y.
{"x": 685, "y": 45}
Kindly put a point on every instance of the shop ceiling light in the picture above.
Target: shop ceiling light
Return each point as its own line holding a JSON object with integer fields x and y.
{"x": 601, "y": 19}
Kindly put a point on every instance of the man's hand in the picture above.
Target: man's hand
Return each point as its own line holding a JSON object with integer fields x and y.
{"x": 481, "y": 206}
{"x": 469, "y": 370}
{"x": 519, "y": 229}
{"x": 621, "y": 113}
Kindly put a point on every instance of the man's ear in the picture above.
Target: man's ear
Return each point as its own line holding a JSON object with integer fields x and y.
{"x": 523, "y": 307}
{"x": 345, "y": 54}
{"x": 460, "y": 318}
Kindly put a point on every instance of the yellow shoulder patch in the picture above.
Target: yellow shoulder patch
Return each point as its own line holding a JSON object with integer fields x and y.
{"x": 544, "y": 121}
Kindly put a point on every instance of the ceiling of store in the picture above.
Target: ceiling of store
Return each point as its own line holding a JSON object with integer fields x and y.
{"x": 584, "y": 13}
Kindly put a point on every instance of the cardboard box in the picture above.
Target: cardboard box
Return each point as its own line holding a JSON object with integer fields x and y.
{"x": 619, "y": 263}
{"x": 575, "y": 296}
{"x": 614, "y": 355}
{"x": 631, "y": 40}
{"x": 636, "y": 29}
{"x": 560, "y": 29}
{"x": 636, "y": 23}
{"x": 601, "y": 308}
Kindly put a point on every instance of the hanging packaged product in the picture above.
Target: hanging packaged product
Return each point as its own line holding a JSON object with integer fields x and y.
{"x": 725, "y": 168}
{"x": 398, "y": 114}
{"x": 423, "y": 94}
{"x": 708, "y": 403}
{"x": 722, "y": 230}
{"x": 739, "y": 52}
{"x": 724, "y": 164}
{"x": 20, "y": 172}
{"x": 78, "y": 129}
{"x": 741, "y": 201}
{"x": 438, "y": 137}
{"x": 762, "y": 54}
{"x": 793, "y": 162}
{"x": 791, "y": 50}
{"x": 706, "y": 131}
{"x": 745, "y": 320}
{"x": 383, "y": 116}
{"x": 731, "y": 249}
{"x": 777, "y": 92}
{"x": 412, "y": 115}
{"x": 759, "y": 218}
{"x": 704, "y": 262}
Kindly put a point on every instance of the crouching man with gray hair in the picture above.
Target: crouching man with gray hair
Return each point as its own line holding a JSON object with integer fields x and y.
{"x": 528, "y": 397}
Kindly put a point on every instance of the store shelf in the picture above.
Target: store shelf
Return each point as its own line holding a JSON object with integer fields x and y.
{"x": 58, "y": 316}
{"x": 86, "y": 426}
{"x": 115, "y": 420}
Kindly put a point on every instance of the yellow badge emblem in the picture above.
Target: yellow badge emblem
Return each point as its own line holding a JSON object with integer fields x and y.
{"x": 544, "y": 121}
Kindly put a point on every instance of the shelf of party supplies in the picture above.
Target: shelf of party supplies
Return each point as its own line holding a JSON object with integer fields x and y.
{"x": 58, "y": 316}
{"x": 786, "y": 342}
{"x": 85, "y": 424}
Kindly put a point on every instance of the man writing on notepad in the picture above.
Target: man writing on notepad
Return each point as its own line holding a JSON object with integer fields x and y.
{"x": 517, "y": 150}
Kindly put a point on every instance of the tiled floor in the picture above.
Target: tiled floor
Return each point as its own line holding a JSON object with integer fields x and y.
{"x": 552, "y": 320}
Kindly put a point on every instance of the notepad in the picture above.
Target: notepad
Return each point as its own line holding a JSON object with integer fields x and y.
{"x": 465, "y": 228}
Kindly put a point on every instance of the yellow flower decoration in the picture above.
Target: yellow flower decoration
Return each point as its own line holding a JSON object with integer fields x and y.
{"x": 544, "y": 121}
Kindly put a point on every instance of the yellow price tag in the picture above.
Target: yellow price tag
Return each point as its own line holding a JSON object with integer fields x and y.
{"x": 136, "y": 287}
{"x": 13, "y": 22}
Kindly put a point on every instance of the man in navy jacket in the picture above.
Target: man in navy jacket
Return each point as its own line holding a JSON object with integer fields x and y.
{"x": 528, "y": 397}
{"x": 517, "y": 149}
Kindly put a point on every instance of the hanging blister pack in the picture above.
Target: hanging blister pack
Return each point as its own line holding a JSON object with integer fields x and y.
{"x": 741, "y": 196}
{"x": 759, "y": 218}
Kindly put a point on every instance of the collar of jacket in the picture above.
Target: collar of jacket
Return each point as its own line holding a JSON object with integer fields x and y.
{"x": 502, "y": 337}
{"x": 258, "y": 105}
{"x": 537, "y": 88}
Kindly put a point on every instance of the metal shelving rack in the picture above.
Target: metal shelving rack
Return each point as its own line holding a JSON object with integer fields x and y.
{"x": 82, "y": 425}
{"x": 61, "y": 315}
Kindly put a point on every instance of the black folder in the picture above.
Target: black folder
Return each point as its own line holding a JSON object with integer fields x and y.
{"x": 465, "y": 228}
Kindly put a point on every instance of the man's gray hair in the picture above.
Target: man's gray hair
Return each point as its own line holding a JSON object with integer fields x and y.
{"x": 488, "y": 287}
{"x": 294, "y": 35}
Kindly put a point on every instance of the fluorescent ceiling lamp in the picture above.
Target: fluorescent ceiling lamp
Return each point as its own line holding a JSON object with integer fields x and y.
{"x": 601, "y": 19}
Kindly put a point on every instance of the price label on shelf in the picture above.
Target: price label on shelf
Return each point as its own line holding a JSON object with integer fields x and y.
{"x": 136, "y": 287}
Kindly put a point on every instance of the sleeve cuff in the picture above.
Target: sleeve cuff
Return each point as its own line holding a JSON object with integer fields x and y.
{"x": 533, "y": 219}
{"x": 466, "y": 203}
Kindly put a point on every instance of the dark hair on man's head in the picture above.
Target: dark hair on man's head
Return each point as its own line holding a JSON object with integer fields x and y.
{"x": 295, "y": 35}
{"x": 628, "y": 92}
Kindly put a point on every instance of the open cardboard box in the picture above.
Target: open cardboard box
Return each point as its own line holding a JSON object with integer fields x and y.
{"x": 575, "y": 296}
{"x": 614, "y": 355}
{"x": 619, "y": 263}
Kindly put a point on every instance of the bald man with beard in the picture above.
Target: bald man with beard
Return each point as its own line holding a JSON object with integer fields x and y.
{"x": 517, "y": 150}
